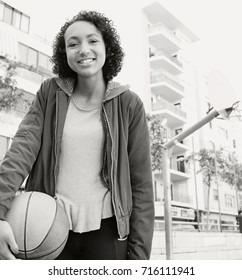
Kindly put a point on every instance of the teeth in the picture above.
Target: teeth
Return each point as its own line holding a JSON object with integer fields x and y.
{"x": 86, "y": 61}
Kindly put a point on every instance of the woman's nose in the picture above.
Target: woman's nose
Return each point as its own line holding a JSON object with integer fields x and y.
{"x": 84, "y": 49}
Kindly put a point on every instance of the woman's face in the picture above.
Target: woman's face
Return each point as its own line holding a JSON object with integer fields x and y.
{"x": 85, "y": 49}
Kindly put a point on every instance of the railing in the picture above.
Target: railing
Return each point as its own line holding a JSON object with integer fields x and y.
{"x": 159, "y": 52}
{"x": 163, "y": 104}
{"x": 181, "y": 198}
{"x": 195, "y": 226}
{"x": 160, "y": 28}
{"x": 163, "y": 78}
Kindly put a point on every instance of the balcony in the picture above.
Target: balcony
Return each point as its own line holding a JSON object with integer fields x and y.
{"x": 170, "y": 89}
{"x": 162, "y": 37}
{"x": 179, "y": 175}
{"x": 161, "y": 60}
{"x": 175, "y": 116}
{"x": 156, "y": 13}
{"x": 179, "y": 169}
{"x": 175, "y": 175}
{"x": 181, "y": 197}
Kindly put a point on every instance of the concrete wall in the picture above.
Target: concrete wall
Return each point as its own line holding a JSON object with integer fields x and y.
{"x": 199, "y": 246}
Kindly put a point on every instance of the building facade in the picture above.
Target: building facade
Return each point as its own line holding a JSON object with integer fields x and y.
{"x": 179, "y": 94}
{"x": 18, "y": 44}
{"x": 224, "y": 201}
{"x": 167, "y": 36}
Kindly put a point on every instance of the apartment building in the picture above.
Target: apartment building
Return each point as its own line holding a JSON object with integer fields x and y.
{"x": 18, "y": 44}
{"x": 167, "y": 36}
{"x": 179, "y": 94}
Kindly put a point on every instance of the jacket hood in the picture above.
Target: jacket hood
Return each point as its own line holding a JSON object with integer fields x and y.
{"x": 113, "y": 88}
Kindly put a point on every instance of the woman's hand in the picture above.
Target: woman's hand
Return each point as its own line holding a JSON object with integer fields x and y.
{"x": 8, "y": 245}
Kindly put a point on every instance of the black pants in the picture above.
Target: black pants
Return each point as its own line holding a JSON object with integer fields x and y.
{"x": 102, "y": 244}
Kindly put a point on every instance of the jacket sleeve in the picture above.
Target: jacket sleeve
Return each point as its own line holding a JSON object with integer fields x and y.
{"x": 22, "y": 153}
{"x": 142, "y": 217}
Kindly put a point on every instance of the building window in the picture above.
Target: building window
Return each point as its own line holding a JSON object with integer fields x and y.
{"x": 44, "y": 63}
{"x": 32, "y": 58}
{"x": 7, "y": 15}
{"x": 215, "y": 194}
{"x": 23, "y": 52}
{"x": 211, "y": 145}
{"x": 180, "y": 164}
{"x": 157, "y": 191}
{"x": 229, "y": 200}
{"x": 25, "y": 22}
{"x": 178, "y": 131}
{"x": 223, "y": 133}
{"x": 14, "y": 17}
{"x": 1, "y": 10}
{"x": 39, "y": 62}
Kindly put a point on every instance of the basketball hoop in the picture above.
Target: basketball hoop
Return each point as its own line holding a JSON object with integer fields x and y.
{"x": 221, "y": 94}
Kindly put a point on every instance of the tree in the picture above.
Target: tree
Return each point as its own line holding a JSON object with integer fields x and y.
{"x": 157, "y": 138}
{"x": 219, "y": 163}
{"x": 209, "y": 169}
{"x": 9, "y": 93}
{"x": 232, "y": 170}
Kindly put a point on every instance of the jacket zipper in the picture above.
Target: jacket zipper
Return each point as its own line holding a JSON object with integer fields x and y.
{"x": 56, "y": 141}
{"x": 105, "y": 152}
{"x": 112, "y": 185}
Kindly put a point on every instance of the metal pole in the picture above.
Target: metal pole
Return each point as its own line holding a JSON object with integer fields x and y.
{"x": 166, "y": 176}
{"x": 195, "y": 181}
{"x": 217, "y": 185}
{"x": 167, "y": 203}
{"x": 179, "y": 137}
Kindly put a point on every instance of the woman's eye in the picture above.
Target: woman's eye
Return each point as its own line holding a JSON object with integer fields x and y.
{"x": 93, "y": 41}
{"x": 72, "y": 45}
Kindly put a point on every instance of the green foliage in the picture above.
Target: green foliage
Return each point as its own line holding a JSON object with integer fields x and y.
{"x": 157, "y": 138}
{"x": 9, "y": 94}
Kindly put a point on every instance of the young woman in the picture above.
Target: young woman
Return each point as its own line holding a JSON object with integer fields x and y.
{"x": 85, "y": 141}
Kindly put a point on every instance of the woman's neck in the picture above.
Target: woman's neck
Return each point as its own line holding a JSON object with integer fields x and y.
{"x": 89, "y": 91}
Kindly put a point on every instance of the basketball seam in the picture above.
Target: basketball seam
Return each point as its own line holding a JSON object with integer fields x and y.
{"x": 49, "y": 252}
{"x": 29, "y": 251}
{"x": 25, "y": 227}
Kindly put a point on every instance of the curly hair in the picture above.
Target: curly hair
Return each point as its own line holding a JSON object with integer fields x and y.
{"x": 114, "y": 52}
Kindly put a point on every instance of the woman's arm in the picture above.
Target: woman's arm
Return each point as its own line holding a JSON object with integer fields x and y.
{"x": 142, "y": 218}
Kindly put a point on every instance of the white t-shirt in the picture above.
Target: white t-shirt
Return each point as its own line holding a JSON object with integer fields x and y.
{"x": 80, "y": 189}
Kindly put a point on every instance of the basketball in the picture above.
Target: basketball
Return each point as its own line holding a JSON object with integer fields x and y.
{"x": 39, "y": 224}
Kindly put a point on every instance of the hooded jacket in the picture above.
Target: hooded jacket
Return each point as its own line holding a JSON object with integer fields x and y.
{"x": 126, "y": 167}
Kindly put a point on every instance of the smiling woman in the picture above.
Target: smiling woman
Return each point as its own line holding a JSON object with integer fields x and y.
{"x": 114, "y": 52}
{"x": 88, "y": 146}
